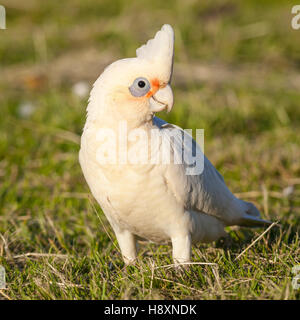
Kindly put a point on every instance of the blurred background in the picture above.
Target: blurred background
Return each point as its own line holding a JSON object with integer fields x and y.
{"x": 236, "y": 74}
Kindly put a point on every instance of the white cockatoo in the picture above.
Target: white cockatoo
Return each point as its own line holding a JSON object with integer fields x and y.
{"x": 155, "y": 200}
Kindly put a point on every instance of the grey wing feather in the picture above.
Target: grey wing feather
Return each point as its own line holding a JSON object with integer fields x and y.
{"x": 205, "y": 192}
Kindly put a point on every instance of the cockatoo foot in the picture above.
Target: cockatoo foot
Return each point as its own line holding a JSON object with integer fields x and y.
{"x": 129, "y": 261}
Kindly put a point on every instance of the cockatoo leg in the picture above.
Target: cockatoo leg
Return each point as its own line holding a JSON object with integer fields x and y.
{"x": 181, "y": 249}
{"x": 127, "y": 243}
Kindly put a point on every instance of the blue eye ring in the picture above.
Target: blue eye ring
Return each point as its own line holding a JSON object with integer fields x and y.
{"x": 140, "y": 87}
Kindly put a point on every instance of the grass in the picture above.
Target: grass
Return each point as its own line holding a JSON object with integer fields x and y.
{"x": 237, "y": 71}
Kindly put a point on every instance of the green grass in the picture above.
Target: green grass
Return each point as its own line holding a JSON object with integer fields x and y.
{"x": 55, "y": 242}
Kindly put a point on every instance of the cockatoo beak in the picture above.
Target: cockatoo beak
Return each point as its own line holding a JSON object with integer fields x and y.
{"x": 162, "y": 99}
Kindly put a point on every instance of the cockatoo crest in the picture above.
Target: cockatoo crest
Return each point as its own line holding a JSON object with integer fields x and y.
{"x": 160, "y": 51}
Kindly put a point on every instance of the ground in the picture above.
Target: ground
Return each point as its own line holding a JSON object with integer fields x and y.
{"x": 237, "y": 75}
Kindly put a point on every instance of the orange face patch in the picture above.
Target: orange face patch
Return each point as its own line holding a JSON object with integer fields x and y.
{"x": 154, "y": 87}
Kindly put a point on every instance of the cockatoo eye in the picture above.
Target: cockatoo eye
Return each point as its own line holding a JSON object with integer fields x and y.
{"x": 139, "y": 87}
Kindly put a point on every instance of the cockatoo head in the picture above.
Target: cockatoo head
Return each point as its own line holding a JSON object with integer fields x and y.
{"x": 134, "y": 89}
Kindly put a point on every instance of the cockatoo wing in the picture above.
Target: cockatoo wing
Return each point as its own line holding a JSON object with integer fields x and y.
{"x": 206, "y": 191}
